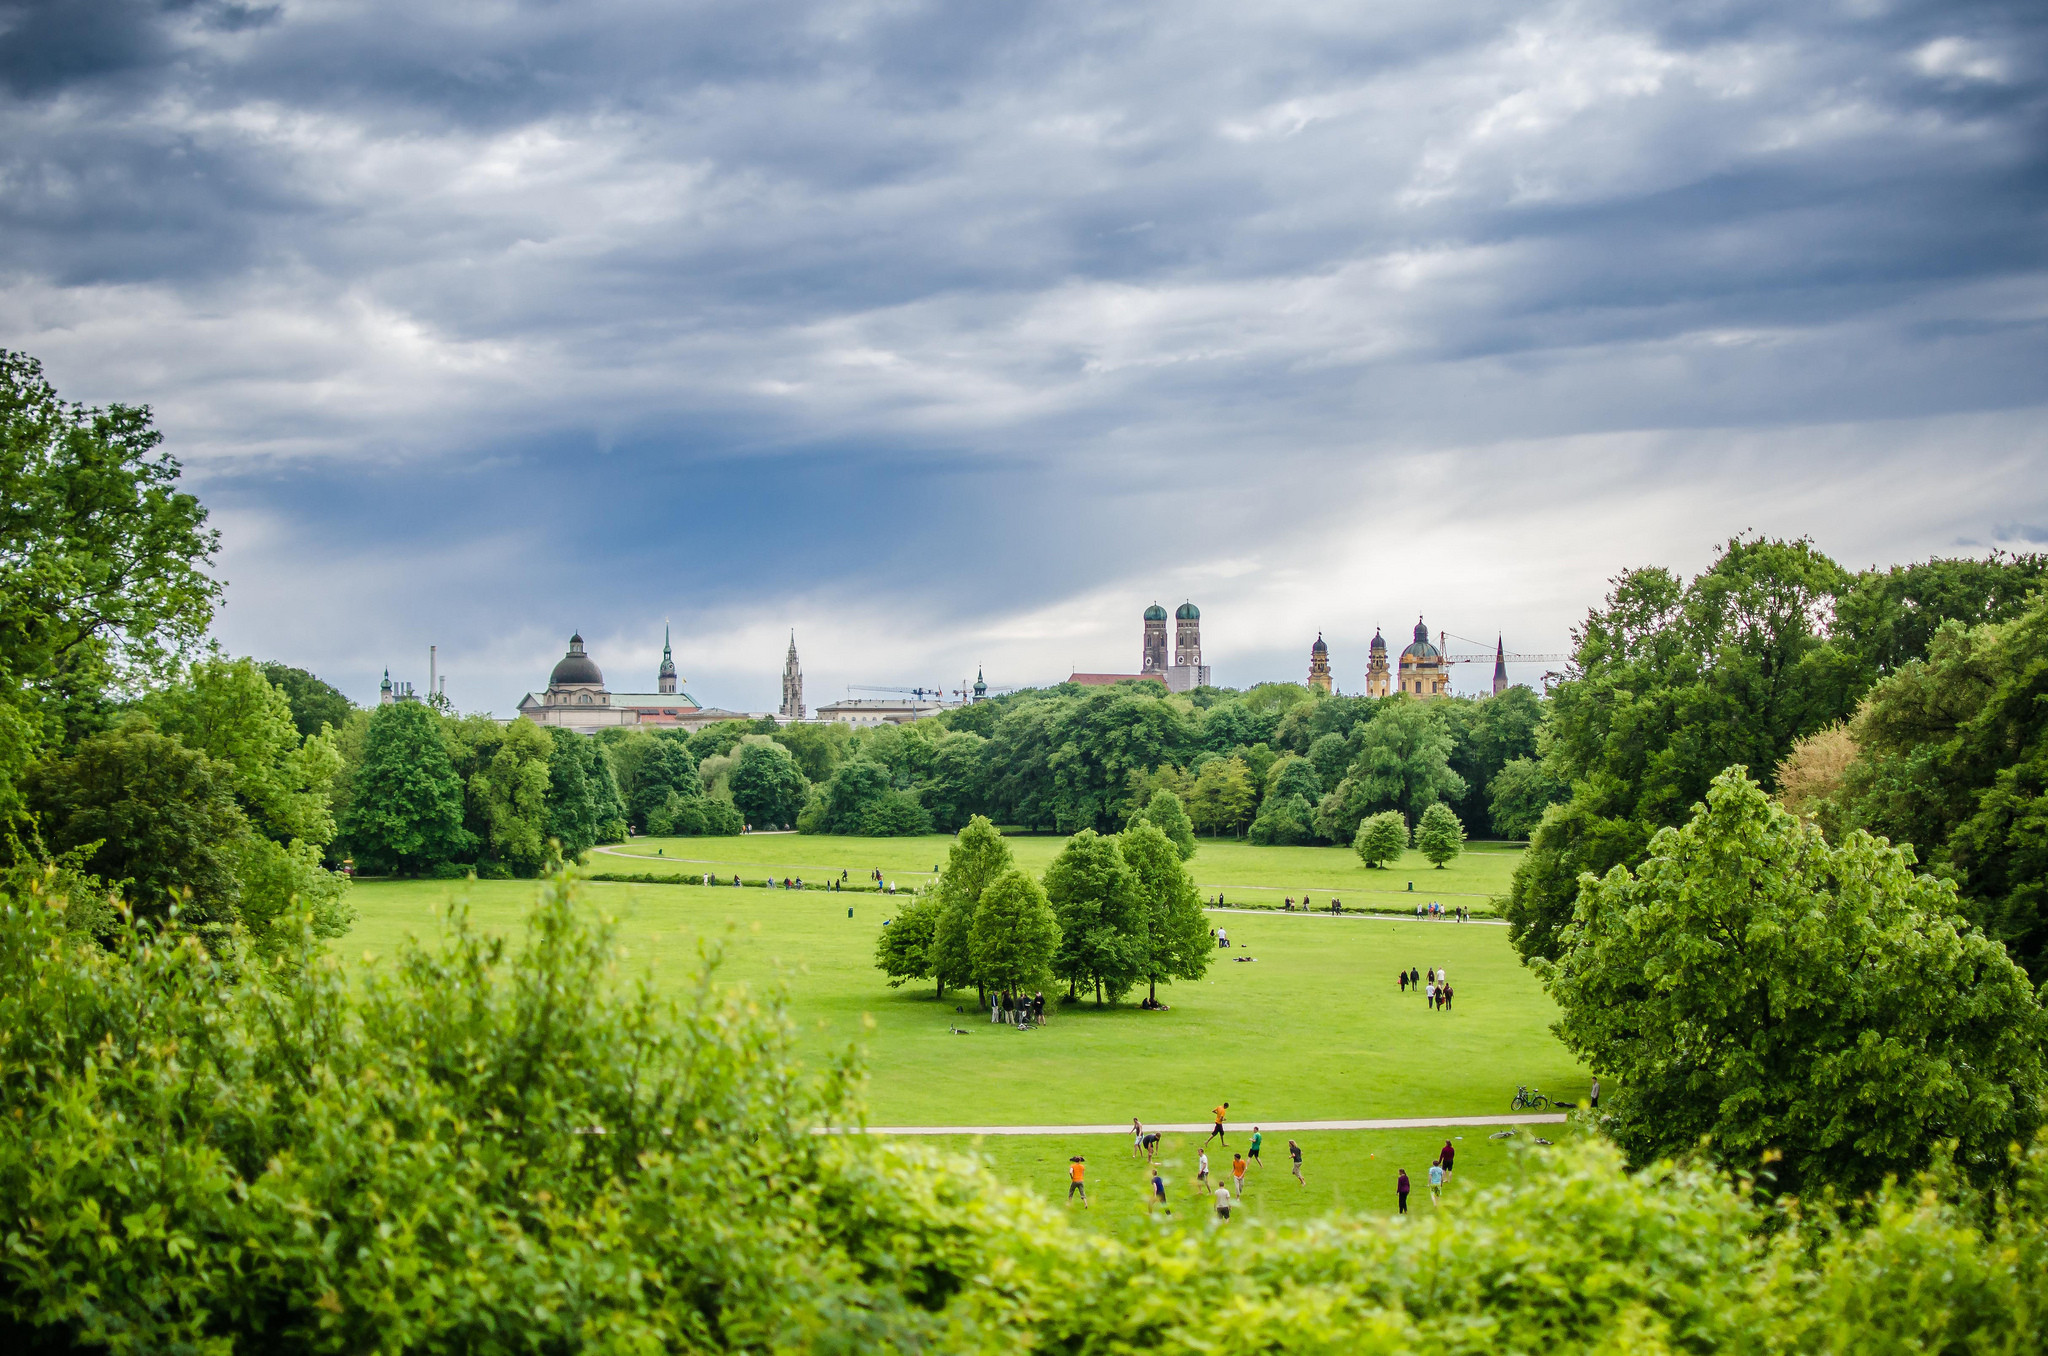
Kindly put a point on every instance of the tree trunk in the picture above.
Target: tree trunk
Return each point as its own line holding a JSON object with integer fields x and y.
{"x": 1155, "y": 991}
{"x": 1098, "y": 993}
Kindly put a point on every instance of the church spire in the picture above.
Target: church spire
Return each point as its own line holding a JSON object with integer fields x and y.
{"x": 792, "y": 684}
{"x": 665, "y": 681}
{"x": 1500, "y": 665}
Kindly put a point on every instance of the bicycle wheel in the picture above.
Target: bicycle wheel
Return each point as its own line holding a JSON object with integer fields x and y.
{"x": 1538, "y": 1100}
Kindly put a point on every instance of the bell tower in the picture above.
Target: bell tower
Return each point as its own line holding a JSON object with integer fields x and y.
{"x": 665, "y": 681}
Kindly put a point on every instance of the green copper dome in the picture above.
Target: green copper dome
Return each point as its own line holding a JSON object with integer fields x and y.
{"x": 1188, "y": 612}
{"x": 1155, "y": 613}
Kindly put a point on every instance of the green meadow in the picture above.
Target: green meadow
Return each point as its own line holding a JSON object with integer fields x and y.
{"x": 1243, "y": 874}
{"x": 1301, "y": 1019}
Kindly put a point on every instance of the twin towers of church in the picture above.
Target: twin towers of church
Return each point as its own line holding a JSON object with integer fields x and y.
{"x": 1187, "y": 671}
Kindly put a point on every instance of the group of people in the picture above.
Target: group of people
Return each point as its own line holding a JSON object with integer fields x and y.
{"x": 1227, "y": 1193}
{"x": 1336, "y": 904}
{"x": 1439, "y": 1173}
{"x": 1436, "y": 985}
{"x": 1018, "y": 1011}
{"x": 1458, "y": 914}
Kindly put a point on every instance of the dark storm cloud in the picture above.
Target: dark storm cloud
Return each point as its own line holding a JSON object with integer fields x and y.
{"x": 871, "y": 314}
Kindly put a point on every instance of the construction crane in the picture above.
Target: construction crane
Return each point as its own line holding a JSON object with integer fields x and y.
{"x": 918, "y": 692}
{"x": 967, "y": 691}
{"x": 1487, "y": 657}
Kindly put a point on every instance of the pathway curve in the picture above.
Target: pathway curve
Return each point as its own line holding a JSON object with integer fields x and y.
{"x": 1202, "y": 1127}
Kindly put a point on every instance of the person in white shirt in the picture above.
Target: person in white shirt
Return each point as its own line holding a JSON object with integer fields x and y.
{"x": 1223, "y": 1202}
{"x": 1202, "y": 1168}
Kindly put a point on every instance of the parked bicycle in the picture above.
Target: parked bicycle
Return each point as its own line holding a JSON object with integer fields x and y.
{"x": 1528, "y": 1099}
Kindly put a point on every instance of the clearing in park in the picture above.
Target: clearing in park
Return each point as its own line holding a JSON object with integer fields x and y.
{"x": 1301, "y": 1019}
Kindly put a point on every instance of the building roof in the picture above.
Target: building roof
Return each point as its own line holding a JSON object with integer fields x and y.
{"x": 1188, "y": 612}
{"x": 682, "y": 700}
{"x": 1421, "y": 649}
{"x": 1379, "y": 642}
{"x": 1319, "y": 647}
{"x": 576, "y": 668}
{"x": 1155, "y": 613}
{"x": 1111, "y": 679}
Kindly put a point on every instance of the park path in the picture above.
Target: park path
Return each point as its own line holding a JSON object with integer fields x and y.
{"x": 1203, "y": 1127}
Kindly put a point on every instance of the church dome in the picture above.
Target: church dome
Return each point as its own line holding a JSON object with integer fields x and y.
{"x": 1188, "y": 612}
{"x": 1319, "y": 647}
{"x": 576, "y": 668}
{"x": 1155, "y": 613}
{"x": 1421, "y": 649}
{"x": 1379, "y": 642}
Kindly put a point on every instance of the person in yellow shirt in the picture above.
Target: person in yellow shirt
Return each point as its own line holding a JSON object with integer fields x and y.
{"x": 1216, "y": 1133}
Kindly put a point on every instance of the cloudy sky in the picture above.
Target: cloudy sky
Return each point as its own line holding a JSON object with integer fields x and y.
{"x": 954, "y": 334}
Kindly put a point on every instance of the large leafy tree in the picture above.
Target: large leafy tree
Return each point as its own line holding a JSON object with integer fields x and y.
{"x": 1164, "y": 811}
{"x": 768, "y": 788}
{"x": 1224, "y": 797}
{"x": 1099, "y": 738}
{"x": 1402, "y": 762}
{"x": 1673, "y": 682}
{"x": 1517, "y": 797}
{"x": 103, "y": 581}
{"x": 406, "y": 814}
{"x": 1103, "y": 920}
{"x": 1381, "y": 838}
{"x": 228, "y": 710}
{"x": 1888, "y": 618}
{"x": 1015, "y": 934}
{"x": 150, "y": 817}
{"x": 664, "y": 768}
{"x": 316, "y": 705}
{"x": 511, "y": 791}
{"x": 1177, "y": 944}
{"x": 979, "y": 854}
{"x": 1753, "y": 989}
{"x": 904, "y": 950}
{"x": 1439, "y": 836}
{"x": 1488, "y": 734}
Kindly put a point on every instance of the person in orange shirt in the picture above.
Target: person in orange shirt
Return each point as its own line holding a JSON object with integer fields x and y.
{"x": 1075, "y": 1167}
{"x": 1237, "y": 1166}
{"x": 1216, "y": 1132}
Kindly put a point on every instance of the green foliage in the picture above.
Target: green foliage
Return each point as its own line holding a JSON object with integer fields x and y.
{"x": 860, "y": 800}
{"x": 768, "y": 788}
{"x": 157, "y": 820}
{"x": 1439, "y": 836}
{"x": 1284, "y": 821}
{"x": 1487, "y": 735}
{"x": 511, "y": 792}
{"x": 1164, "y": 811}
{"x": 662, "y": 768}
{"x": 230, "y": 712}
{"x": 1381, "y": 838}
{"x": 1519, "y": 794}
{"x": 1015, "y": 935}
{"x": 1102, "y": 920}
{"x": 406, "y": 812}
{"x": 1176, "y": 932}
{"x": 978, "y": 856}
{"x": 1403, "y": 763}
{"x": 1888, "y": 618}
{"x": 817, "y": 746}
{"x": 1293, "y": 775}
{"x": 1756, "y": 990}
{"x": 1223, "y": 798}
{"x": 904, "y": 950}
{"x": 103, "y": 561}
{"x": 315, "y": 705}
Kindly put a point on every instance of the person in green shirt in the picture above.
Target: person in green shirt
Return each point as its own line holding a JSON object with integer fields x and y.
{"x": 1256, "y": 1138}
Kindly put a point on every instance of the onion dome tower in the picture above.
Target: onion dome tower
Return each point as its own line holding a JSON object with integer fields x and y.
{"x": 1154, "y": 660}
{"x": 1378, "y": 678}
{"x": 665, "y": 681}
{"x": 1319, "y": 666}
{"x": 1187, "y": 637}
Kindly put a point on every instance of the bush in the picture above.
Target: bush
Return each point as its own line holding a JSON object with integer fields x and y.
{"x": 1382, "y": 838}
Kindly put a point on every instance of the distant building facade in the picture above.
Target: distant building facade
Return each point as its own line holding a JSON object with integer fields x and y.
{"x": 879, "y": 710}
{"x": 792, "y": 684}
{"x": 1188, "y": 671}
{"x": 1319, "y": 666}
{"x": 577, "y": 699}
{"x": 1424, "y": 669}
{"x": 1153, "y": 653}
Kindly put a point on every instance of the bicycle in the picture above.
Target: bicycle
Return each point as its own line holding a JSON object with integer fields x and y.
{"x": 1526, "y": 1100}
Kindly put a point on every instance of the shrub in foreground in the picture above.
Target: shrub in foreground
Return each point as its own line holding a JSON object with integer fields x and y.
{"x": 499, "y": 1148}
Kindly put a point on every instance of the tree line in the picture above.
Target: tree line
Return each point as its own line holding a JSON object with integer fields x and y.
{"x": 1113, "y": 912}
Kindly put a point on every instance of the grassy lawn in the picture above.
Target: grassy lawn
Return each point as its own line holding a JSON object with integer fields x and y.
{"x": 1349, "y": 1170}
{"x": 1314, "y": 1029}
{"x": 1241, "y": 872}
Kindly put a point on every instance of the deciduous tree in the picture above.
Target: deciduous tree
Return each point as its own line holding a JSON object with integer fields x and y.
{"x": 1439, "y": 836}
{"x": 1102, "y": 921}
{"x": 978, "y": 855}
{"x": 1753, "y": 989}
{"x": 1015, "y": 934}
{"x": 1164, "y": 811}
{"x": 1381, "y": 838}
{"x": 768, "y": 788}
{"x": 1176, "y": 933}
{"x": 406, "y": 815}
{"x": 904, "y": 950}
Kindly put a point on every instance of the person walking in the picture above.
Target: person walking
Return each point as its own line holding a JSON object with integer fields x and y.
{"x": 1294, "y": 1150}
{"x": 1436, "y": 1183}
{"x": 1596, "y": 1092}
{"x": 1257, "y": 1138}
{"x": 1447, "y": 1156}
{"x": 1158, "y": 1197}
{"x": 1075, "y": 1167}
{"x": 1404, "y": 981}
{"x": 1216, "y": 1130}
{"x": 1237, "y": 1174}
{"x": 1202, "y": 1168}
{"x": 1137, "y": 1138}
{"x": 1401, "y": 1190}
{"x": 1223, "y": 1202}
